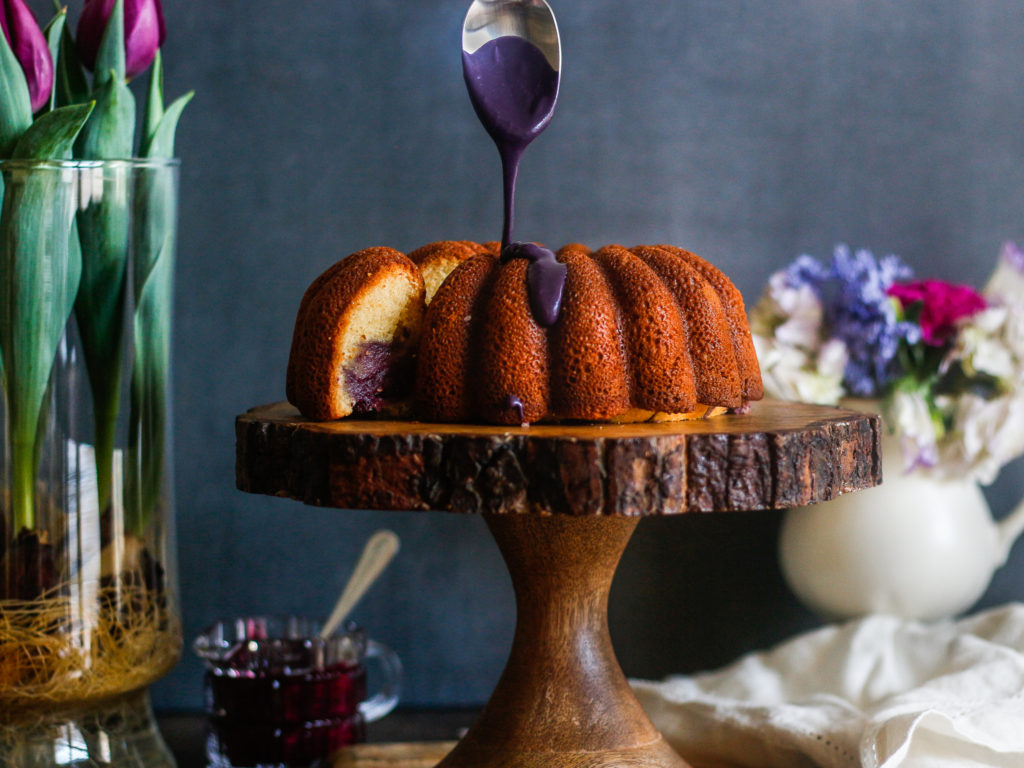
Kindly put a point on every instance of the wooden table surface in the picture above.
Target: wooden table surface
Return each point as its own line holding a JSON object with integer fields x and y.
{"x": 404, "y": 739}
{"x": 436, "y": 730}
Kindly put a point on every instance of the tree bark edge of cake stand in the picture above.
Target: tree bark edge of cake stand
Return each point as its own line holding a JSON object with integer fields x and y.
{"x": 780, "y": 455}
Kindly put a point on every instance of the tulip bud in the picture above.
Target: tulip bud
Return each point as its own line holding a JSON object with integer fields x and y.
{"x": 30, "y": 48}
{"x": 144, "y": 32}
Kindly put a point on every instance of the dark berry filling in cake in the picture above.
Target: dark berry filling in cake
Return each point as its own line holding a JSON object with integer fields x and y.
{"x": 377, "y": 374}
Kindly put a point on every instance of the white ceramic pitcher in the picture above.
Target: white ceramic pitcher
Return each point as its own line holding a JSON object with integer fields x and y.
{"x": 914, "y": 546}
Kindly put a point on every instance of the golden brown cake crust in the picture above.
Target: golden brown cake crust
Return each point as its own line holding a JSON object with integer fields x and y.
{"x": 658, "y": 361}
{"x": 445, "y": 364}
{"x": 716, "y": 374}
{"x": 512, "y": 353}
{"x": 732, "y": 303}
{"x": 586, "y": 379}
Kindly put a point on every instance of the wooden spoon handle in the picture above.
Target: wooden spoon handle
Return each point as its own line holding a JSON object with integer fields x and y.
{"x": 377, "y": 553}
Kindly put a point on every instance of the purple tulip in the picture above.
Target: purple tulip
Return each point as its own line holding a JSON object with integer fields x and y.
{"x": 30, "y": 48}
{"x": 144, "y": 32}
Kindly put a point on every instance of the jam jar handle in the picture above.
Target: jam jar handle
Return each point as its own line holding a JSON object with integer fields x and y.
{"x": 386, "y": 697}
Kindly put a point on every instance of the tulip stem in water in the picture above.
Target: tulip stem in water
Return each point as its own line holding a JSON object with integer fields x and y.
{"x": 23, "y": 484}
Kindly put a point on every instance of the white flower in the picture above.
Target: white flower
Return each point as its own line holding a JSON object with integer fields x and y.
{"x": 910, "y": 417}
{"x": 1007, "y": 280}
{"x": 796, "y": 362}
{"x": 982, "y": 346}
{"x": 832, "y": 358}
{"x": 986, "y": 434}
{"x": 800, "y": 310}
{"x": 792, "y": 373}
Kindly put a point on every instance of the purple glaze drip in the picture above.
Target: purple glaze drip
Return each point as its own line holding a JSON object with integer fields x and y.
{"x": 513, "y": 89}
{"x": 545, "y": 280}
{"x": 513, "y": 401}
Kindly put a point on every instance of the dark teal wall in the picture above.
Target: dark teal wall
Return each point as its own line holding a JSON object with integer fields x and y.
{"x": 747, "y": 131}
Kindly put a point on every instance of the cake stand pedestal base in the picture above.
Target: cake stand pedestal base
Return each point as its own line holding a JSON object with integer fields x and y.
{"x": 562, "y": 699}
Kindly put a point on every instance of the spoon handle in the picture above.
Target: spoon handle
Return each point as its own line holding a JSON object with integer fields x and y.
{"x": 377, "y": 553}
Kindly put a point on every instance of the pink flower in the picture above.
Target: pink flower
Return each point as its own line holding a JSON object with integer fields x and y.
{"x": 942, "y": 305}
{"x": 30, "y": 48}
{"x": 144, "y": 32}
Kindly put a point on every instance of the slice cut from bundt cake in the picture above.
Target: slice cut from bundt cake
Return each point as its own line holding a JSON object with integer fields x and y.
{"x": 356, "y": 335}
{"x": 437, "y": 260}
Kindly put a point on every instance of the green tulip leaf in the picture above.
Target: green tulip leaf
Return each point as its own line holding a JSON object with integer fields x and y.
{"x": 39, "y": 270}
{"x": 161, "y": 142}
{"x": 149, "y": 389}
{"x": 154, "y": 101}
{"x": 103, "y": 228}
{"x": 70, "y": 85}
{"x": 53, "y": 134}
{"x": 154, "y": 242}
{"x": 110, "y": 132}
{"x": 54, "y": 33}
{"x": 15, "y": 103}
{"x": 110, "y": 58}
{"x": 155, "y": 200}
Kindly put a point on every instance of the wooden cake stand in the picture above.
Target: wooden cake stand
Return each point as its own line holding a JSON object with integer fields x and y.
{"x": 562, "y": 502}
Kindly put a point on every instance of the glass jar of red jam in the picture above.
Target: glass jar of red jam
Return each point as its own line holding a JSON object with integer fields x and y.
{"x": 279, "y": 695}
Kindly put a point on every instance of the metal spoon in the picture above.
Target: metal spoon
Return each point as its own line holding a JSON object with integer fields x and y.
{"x": 513, "y": 97}
{"x": 532, "y": 20}
{"x": 377, "y": 553}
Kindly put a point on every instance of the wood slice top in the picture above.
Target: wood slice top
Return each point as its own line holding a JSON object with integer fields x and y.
{"x": 777, "y": 456}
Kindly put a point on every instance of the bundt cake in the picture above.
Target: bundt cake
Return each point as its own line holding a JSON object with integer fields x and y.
{"x": 648, "y": 333}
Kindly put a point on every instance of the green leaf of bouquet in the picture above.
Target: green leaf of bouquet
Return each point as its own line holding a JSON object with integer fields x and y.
{"x": 110, "y": 58}
{"x": 54, "y": 32}
{"x": 53, "y": 134}
{"x": 154, "y": 101}
{"x": 110, "y": 132}
{"x": 15, "y": 103}
{"x": 70, "y": 85}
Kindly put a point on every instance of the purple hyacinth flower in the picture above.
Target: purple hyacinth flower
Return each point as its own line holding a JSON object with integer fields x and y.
{"x": 30, "y": 48}
{"x": 853, "y": 290}
{"x": 144, "y": 32}
{"x": 859, "y": 311}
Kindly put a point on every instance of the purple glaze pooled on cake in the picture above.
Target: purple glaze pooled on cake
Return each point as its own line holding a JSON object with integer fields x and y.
{"x": 545, "y": 280}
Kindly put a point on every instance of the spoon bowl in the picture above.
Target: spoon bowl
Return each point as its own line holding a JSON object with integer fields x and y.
{"x": 531, "y": 20}
{"x": 511, "y": 62}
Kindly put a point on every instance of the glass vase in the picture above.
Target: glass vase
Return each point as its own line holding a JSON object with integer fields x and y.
{"x": 88, "y": 593}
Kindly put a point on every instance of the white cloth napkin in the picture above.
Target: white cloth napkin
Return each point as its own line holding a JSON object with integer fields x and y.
{"x": 879, "y": 692}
